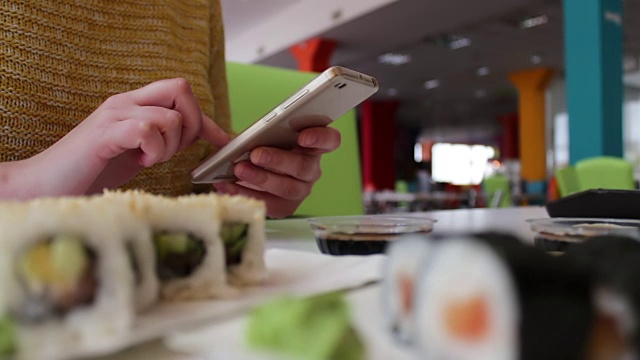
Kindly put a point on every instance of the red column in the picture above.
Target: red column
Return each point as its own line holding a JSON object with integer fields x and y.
{"x": 509, "y": 143}
{"x": 377, "y": 141}
{"x": 314, "y": 54}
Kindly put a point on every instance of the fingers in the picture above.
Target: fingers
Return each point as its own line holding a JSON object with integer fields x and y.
{"x": 169, "y": 125}
{"x": 136, "y": 134}
{"x": 322, "y": 139}
{"x": 277, "y": 206}
{"x": 155, "y": 131}
{"x": 213, "y": 133}
{"x": 174, "y": 94}
{"x": 279, "y": 184}
{"x": 302, "y": 166}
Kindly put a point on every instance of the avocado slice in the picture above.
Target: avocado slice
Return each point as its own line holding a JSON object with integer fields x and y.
{"x": 171, "y": 243}
{"x": 58, "y": 262}
{"x": 68, "y": 259}
{"x": 7, "y": 338}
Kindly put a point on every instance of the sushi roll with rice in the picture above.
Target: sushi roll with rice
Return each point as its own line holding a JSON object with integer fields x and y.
{"x": 138, "y": 244}
{"x": 483, "y": 298}
{"x": 615, "y": 263}
{"x": 190, "y": 257}
{"x": 204, "y": 244}
{"x": 466, "y": 304}
{"x": 405, "y": 259}
{"x": 67, "y": 284}
{"x": 243, "y": 236}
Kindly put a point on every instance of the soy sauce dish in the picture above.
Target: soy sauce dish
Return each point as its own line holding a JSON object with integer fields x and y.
{"x": 366, "y": 234}
{"x": 556, "y": 235}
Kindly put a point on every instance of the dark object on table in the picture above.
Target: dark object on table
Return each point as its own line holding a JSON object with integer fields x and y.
{"x": 337, "y": 246}
{"x": 598, "y": 203}
{"x": 364, "y": 235}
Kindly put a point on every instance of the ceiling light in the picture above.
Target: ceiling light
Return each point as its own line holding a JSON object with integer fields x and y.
{"x": 431, "y": 84}
{"x": 536, "y": 59}
{"x": 533, "y": 21}
{"x": 459, "y": 42}
{"x": 452, "y": 42}
{"x": 480, "y": 93}
{"x": 630, "y": 63}
{"x": 482, "y": 71}
{"x": 394, "y": 59}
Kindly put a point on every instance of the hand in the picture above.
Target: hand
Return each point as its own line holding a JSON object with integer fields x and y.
{"x": 127, "y": 133}
{"x": 283, "y": 178}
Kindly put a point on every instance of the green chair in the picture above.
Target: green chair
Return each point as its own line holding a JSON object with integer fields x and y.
{"x": 256, "y": 89}
{"x": 605, "y": 172}
{"x": 497, "y": 191}
{"x": 567, "y": 179}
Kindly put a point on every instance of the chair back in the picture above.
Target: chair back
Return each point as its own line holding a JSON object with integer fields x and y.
{"x": 567, "y": 179}
{"x": 605, "y": 172}
{"x": 254, "y": 90}
{"x": 497, "y": 191}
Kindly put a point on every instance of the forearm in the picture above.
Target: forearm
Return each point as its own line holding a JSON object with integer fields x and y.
{"x": 43, "y": 175}
{"x": 15, "y": 181}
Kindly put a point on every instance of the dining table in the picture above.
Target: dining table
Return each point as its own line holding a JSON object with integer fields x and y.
{"x": 222, "y": 337}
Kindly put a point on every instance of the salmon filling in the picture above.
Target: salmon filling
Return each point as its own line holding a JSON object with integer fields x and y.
{"x": 468, "y": 319}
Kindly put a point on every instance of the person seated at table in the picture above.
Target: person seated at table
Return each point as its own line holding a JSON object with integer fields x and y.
{"x": 129, "y": 94}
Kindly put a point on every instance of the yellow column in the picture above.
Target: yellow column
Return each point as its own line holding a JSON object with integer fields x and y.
{"x": 531, "y": 85}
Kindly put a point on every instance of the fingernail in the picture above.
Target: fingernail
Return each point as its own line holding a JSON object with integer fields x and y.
{"x": 308, "y": 139}
{"x": 264, "y": 157}
{"x": 244, "y": 172}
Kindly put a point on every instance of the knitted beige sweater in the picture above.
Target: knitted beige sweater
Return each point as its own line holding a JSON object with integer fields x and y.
{"x": 60, "y": 59}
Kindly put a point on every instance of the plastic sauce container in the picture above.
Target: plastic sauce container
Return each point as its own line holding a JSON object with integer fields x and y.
{"x": 557, "y": 234}
{"x": 366, "y": 234}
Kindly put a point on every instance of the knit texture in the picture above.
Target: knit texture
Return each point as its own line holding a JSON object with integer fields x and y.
{"x": 60, "y": 59}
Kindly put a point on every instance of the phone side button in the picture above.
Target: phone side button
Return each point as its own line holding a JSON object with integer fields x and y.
{"x": 270, "y": 117}
{"x": 296, "y": 98}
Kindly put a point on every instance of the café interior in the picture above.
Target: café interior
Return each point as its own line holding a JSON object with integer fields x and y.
{"x": 496, "y": 103}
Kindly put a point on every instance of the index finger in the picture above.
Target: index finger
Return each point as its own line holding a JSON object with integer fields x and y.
{"x": 173, "y": 94}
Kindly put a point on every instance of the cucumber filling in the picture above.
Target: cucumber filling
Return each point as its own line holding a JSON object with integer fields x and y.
{"x": 178, "y": 254}
{"x": 234, "y": 236}
{"x": 57, "y": 275}
{"x": 133, "y": 262}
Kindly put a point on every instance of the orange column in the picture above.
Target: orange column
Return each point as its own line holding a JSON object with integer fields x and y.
{"x": 531, "y": 85}
{"x": 314, "y": 54}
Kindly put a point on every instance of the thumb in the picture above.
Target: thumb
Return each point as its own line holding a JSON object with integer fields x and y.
{"x": 213, "y": 133}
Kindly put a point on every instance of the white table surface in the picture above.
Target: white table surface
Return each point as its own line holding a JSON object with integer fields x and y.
{"x": 295, "y": 234}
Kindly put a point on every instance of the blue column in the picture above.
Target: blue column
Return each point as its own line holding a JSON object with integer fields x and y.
{"x": 593, "y": 66}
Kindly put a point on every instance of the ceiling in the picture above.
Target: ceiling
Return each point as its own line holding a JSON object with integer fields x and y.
{"x": 463, "y": 99}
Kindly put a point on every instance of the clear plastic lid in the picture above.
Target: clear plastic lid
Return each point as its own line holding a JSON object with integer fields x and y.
{"x": 586, "y": 226}
{"x": 371, "y": 224}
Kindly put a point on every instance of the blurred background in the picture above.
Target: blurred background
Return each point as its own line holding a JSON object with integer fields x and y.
{"x": 482, "y": 103}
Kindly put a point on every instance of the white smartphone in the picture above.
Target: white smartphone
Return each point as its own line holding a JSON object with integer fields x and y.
{"x": 326, "y": 98}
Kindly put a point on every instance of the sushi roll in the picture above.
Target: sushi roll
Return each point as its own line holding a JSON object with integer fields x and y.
{"x": 479, "y": 299}
{"x": 67, "y": 284}
{"x": 189, "y": 254}
{"x": 137, "y": 242}
{"x": 405, "y": 257}
{"x": 204, "y": 245}
{"x": 615, "y": 263}
{"x": 242, "y": 231}
{"x": 466, "y": 304}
